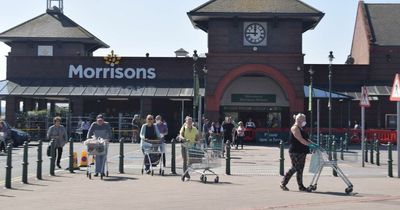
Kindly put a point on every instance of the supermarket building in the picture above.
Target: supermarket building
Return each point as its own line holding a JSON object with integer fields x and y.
{"x": 255, "y": 67}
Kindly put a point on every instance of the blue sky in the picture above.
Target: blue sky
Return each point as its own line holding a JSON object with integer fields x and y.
{"x": 159, "y": 27}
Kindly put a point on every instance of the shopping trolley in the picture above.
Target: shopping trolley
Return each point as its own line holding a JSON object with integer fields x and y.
{"x": 201, "y": 159}
{"x": 153, "y": 155}
{"x": 95, "y": 147}
{"x": 319, "y": 160}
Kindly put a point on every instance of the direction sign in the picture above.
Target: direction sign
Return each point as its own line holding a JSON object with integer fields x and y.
{"x": 364, "y": 100}
{"x": 395, "y": 95}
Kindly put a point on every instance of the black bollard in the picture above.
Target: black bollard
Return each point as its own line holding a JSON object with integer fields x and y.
{"x": 121, "y": 156}
{"x": 8, "y": 166}
{"x": 327, "y": 145}
{"x": 25, "y": 164}
{"x": 173, "y": 156}
{"x": 390, "y": 160}
{"x": 321, "y": 139}
{"x": 341, "y": 149}
{"x": 228, "y": 158}
{"x": 334, "y": 173}
{"x": 366, "y": 150}
{"x": 71, "y": 155}
{"x": 281, "y": 159}
{"x": 371, "y": 153}
{"x": 52, "y": 158}
{"x": 329, "y": 148}
{"x": 377, "y": 153}
{"x": 346, "y": 140}
{"x": 39, "y": 160}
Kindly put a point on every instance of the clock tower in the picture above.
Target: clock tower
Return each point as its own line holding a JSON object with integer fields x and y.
{"x": 252, "y": 43}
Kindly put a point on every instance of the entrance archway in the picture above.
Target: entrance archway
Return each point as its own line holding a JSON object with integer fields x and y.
{"x": 214, "y": 101}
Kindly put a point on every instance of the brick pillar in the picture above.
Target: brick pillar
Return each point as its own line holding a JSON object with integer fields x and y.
{"x": 42, "y": 104}
{"x": 76, "y": 105}
{"x": 145, "y": 107}
{"x": 11, "y": 109}
{"x": 52, "y": 108}
{"x": 29, "y": 105}
{"x": 213, "y": 116}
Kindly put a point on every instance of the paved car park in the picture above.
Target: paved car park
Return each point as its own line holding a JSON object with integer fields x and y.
{"x": 254, "y": 184}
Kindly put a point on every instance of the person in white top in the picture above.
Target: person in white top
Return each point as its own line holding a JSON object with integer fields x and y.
{"x": 239, "y": 134}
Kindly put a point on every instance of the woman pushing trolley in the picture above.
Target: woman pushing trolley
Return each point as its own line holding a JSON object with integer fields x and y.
{"x": 100, "y": 131}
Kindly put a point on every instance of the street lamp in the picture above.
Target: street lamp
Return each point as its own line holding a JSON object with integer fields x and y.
{"x": 310, "y": 95}
{"x": 330, "y": 57}
{"x": 195, "y": 58}
{"x": 205, "y": 70}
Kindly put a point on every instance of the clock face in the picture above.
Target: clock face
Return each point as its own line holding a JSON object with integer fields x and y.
{"x": 255, "y": 33}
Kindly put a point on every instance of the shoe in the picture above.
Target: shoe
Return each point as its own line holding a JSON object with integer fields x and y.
{"x": 96, "y": 174}
{"x": 302, "y": 188}
{"x": 58, "y": 165}
{"x": 147, "y": 171}
{"x": 284, "y": 188}
{"x": 103, "y": 174}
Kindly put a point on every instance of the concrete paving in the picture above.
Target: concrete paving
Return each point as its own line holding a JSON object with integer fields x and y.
{"x": 253, "y": 185}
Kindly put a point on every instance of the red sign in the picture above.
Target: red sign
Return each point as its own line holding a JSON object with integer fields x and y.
{"x": 395, "y": 95}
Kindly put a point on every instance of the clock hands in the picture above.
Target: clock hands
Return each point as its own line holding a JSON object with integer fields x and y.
{"x": 254, "y": 33}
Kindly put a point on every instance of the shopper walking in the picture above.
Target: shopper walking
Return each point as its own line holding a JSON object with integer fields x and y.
{"x": 100, "y": 129}
{"x": 190, "y": 134}
{"x": 149, "y": 135}
{"x": 239, "y": 134}
{"x": 5, "y": 131}
{"x": 58, "y": 133}
{"x": 298, "y": 150}
{"x": 136, "y": 126}
{"x": 163, "y": 129}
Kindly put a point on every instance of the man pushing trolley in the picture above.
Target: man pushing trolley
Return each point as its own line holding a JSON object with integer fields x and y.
{"x": 197, "y": 156}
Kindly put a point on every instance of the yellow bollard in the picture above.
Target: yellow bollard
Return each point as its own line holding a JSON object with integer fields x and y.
{"x": 84, "y": 159}
{"x": 75, "y": 162}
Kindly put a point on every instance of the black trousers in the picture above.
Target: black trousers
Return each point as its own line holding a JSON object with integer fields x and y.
{"x": 3, "y": 146}
{"x": 59, "y": 151}
{"x": 298, "y": 162}
{"x": 239, "y": 140}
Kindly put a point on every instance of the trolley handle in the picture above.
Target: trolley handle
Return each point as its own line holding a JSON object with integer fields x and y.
{"x": 152, "y": 141}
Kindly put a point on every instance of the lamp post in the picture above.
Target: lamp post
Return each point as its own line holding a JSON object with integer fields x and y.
{"x": 205, "y": 70}
{"x": 330, "y": 57}
{"x": 195, "y": 58}
{"x": 310, "y": 96}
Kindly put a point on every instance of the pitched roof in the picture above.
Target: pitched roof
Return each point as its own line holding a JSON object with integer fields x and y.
{"x": 51, "y": 26}
{"x": 255, "y": 9}
{"x": 383, "y": 20}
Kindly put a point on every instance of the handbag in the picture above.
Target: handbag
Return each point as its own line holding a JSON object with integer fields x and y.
{"x": 49, "y": 150}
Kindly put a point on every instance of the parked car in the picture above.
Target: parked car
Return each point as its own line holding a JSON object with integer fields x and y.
{"x": 17, "y": 137}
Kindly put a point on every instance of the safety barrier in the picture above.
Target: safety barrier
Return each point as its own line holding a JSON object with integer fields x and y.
{"x": 384, "y": 136}
{"x": 337, "y": 145}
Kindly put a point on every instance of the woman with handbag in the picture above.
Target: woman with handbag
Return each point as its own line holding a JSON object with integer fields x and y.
{"x": 58, "y": 133}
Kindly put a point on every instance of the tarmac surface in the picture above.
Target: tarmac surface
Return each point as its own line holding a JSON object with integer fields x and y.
{"x": 254, "y": 184}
